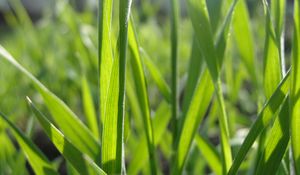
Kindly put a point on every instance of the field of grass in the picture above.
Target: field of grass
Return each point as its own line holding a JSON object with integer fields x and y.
{"x": 151, "y": 87}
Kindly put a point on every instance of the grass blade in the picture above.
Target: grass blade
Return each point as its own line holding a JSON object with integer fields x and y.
{"x": 113, "y": 123}
{"x": 89, "y": 108}
{"x": 36, "y": 158}
{"x": 81, "y": 162}
{"x": 295, "y": 89}
{"x": 68, "y": 122}
{"x": 263, "y": 119}
{"x": 141, "y": 90}
{"x": 277, "y": 142}
{"x": 209, "y": 153}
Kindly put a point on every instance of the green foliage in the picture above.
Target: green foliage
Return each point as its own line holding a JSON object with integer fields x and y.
{"x": 193, "y": 87}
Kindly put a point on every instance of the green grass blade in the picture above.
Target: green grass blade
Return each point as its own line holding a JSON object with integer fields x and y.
{"x": 209, "y": 153}
{"x": 272, "y": 65}
{"x": 105, "y": 51}
{"x": 81, "y": 162}
{"x": 262, "y": 121}
{"x": 89, "y": 108}
{"x": 156, "y": 76}
{"x": 69, "y": 123}
{"x": 198, "y": 106}
{"x": 295, "y": 89}
{"x": 174, "y": 56}
{"x": 36, "y": 158}
{"x": 141, "y": 90}
{"x": 243, "y": 38}
{"x": 160, "y": 123}
{"x": 113, "y": 123}
{"x": 277, "y": 142}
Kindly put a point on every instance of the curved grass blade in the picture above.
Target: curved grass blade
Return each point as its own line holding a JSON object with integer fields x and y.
{"x": 263, "y": 119}
{"x": 89, "y": 108}
{"x": 277, "y": 142}
{"x": 81, "y": 162}
{"x": 36, "y": 158}
{"x": 209, "y": 153}
{"x": 295, "y": 89}
{"x": 141, "y": 90}
{"x": 69, "y": 123}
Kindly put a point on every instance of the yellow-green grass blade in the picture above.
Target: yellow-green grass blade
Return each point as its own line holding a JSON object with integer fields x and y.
{"x": 214, "y": 59}
{"x": 243, "y": 38}
{"x": 263, "y": 119}
{"x": 105, "y": 51}
{"x": 89, "y": 108}
{"x": 278, "y": 18}
{"x": 272, "y": 67}
{"x": 37, "y": 160}
{"x": 295, "y": 89}
{"x": 81, "y": 162}
{"x": 160, "y": 122}
{"x": 69, "y": 123}
{"x": 174, "y": 57}
{"x": 113, "y": 124}
{"x": 209, "y": 153}
{"x": 198, "y": 106}
{"x": 141, "y": 90}
{"x": 277, "y": 142}
{"x": 156, "y": 76}
{"x": 194, "y": 71}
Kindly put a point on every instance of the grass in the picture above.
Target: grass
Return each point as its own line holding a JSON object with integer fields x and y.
{"x": 136, "y": 91}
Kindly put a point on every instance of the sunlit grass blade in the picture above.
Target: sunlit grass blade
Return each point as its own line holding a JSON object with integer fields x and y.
{"x": 141, "y": 90}
{"x": 156, "y": 76}
{"x": 160, "y": 123}
{"x": 263, "y": 120}
{"x": 113, "y": 124}
{"x": 214, "y": 59}
{"x": 69, "y": 123}
{"x": 295, "y": 89}
{"x": 89, "y": 108}
{"x": 244, "y": 40}
{"x": 81, "y": 162}
{"x": 272, "y": 67}
{"x": 277, "y": 142}
{"x": 36, "y": 158}
{"x": 198, "y": 106}
{"x": 105, "y": 51}
{"x": 209, "y": 153}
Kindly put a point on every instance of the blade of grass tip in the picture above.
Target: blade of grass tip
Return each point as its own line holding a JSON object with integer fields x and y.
{"x": 200, "y": 21}
{"x": 141, "y": 89}
{"x": 263, "y": 119}
{"x": 37, "y": 160}
{"x": 81, "y": 162}
{"x": 89, "y": 108}
{"x": 209, "y": 153}
{"x": 295, "y": 89}
{"x": 113, "y": 125}
{"x": 156, "y": 76}
{"x": 68, "y": 122}
{"x": 174, "y": 57}
{"x": 105, "y": 51}
{"x": 277, "y": 142}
